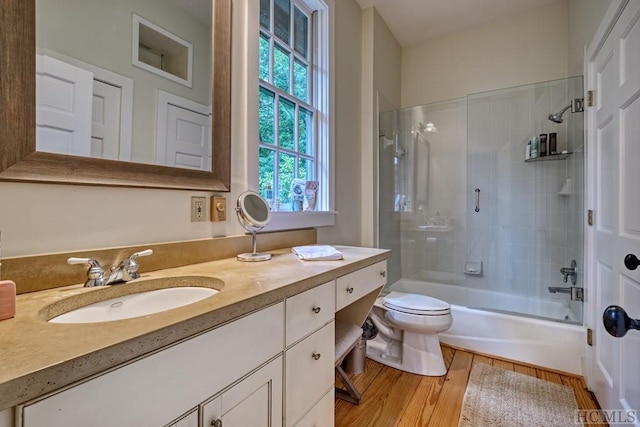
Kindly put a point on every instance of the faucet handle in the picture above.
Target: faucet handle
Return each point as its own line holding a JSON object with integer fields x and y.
{"x": 146, "y": 252}
{"x": 95, "y": 274}
{"x": 130, "y": 266}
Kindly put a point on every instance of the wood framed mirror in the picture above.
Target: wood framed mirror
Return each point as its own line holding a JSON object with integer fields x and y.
{"x": 19, "y": 159}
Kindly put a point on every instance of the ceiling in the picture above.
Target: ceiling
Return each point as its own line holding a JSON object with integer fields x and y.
{"x": 414, "y": 21}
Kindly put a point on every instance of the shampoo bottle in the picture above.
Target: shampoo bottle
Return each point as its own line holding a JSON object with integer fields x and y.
{"x": 534, "y": 147}
{"x": 542, "y": 149}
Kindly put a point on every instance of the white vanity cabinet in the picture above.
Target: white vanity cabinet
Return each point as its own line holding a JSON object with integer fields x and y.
{"x": 6, "y": 418}
{"x": 155, "y": 390}
{"x": 256, "y": 401}
{"x": 352, "y": 287}
{"x": 271, "y": 368}
{"x": 322, "y": 414}
{"x": 309, "y": 363}
{"x": 189, "y": 420}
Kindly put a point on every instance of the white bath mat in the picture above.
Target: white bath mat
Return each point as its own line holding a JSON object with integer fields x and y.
{"x": 499, "y": 398}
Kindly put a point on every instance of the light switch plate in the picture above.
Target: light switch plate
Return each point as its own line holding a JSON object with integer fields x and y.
{"x": 218, "y": 208}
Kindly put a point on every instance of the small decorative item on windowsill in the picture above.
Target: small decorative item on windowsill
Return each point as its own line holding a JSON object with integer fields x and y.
{"x": 297, "y": 195}
{"x": 311, "y": 195}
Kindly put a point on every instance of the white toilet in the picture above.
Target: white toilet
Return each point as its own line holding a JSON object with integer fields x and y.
{"x": 408, "y": 327}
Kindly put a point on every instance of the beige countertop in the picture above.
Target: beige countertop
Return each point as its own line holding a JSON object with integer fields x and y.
{"x": 37, "y": 357}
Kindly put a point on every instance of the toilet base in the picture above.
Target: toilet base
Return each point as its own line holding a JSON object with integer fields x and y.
{"x": 417, "y": 353}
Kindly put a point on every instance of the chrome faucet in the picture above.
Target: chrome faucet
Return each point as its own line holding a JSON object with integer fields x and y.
{"x": 569, "y": 271}
{"x": 126, "y": 270}
{"x": 577, "y": 293}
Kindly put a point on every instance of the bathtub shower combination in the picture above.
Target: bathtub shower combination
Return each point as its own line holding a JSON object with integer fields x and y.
{"x": 476, "y": 221}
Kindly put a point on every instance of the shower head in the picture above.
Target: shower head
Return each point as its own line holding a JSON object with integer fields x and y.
{"x": 557, "y": 117}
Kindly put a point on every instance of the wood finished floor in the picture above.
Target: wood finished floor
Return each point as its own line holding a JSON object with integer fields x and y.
{"x": 394, "y": 398}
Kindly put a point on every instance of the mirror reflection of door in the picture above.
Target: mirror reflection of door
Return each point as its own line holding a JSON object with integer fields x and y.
{"x": 63, "y": 107}
{"x": 82, "y": 109}
{"x": 183, "y": 133}
{"x": 105, "y": 124}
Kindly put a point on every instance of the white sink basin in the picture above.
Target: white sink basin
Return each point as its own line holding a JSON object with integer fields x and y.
{"x": 135, "y": 305}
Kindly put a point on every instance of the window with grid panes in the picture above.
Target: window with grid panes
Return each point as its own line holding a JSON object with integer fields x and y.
{"x": 288, "y": 146}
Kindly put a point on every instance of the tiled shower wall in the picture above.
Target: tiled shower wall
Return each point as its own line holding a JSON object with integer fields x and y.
{"x": 525, "y": 230}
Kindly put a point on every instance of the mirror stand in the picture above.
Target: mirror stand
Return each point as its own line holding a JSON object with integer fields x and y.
{"x": 254, "y": 256}
{"x": 253, "y": 213}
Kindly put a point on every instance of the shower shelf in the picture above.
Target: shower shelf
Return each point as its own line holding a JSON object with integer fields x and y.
{"x": 548, "y": 158}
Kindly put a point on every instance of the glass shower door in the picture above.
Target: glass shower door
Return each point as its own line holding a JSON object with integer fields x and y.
{"x": 525, "y": 218}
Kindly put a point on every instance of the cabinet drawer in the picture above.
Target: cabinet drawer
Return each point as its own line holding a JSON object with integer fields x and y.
{"x": 354, "y": 286}
{"x": 309, "y": 372}
{"x": 171, "y": 381}
{"x": 308, "y": 311}
{"x": 322, "y": 414}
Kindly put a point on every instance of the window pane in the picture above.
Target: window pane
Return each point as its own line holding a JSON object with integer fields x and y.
{"x": 266, "y": 170}
{"x": 267, "y": 116}
{"x": 305, "y": 131}
{"x": 282, "y": 20}
{"x": 305, "y": 169}
{"x": 286, "y": 124}
{"x": 264, "y": 58}
{"x": 281, "y": 69}
{"x": 286, "y": 172}
{"x": 300, "y": 32}
{"x": 265, "y": 13}
{"x": 300, "y": 80}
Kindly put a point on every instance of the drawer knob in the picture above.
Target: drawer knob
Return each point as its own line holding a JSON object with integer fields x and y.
{"x": 216, "y": 423}
{"x": 315, "y": 356}
{"x": 316, "y": 310}
{"x": 383, "y": 273}
{"x": 350, "y": 290}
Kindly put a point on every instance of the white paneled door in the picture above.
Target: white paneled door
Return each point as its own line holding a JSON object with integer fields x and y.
{"x": 183, "y": 133}
{"x": 63, "y": 107}
{"x": 613, "y": 368}
{"x": 105, "y": 124}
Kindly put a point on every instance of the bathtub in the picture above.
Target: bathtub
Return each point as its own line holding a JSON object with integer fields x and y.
{"x": 525, "y": 338}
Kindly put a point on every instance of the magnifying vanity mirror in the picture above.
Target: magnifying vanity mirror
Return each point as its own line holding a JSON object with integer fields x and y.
{"x": 129, "y": 93}
{"x": 253, "y": 214}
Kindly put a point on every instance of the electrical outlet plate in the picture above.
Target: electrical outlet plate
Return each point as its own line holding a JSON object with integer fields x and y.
{"x": 198, "y": 209}
{"x": 218, "y": 208}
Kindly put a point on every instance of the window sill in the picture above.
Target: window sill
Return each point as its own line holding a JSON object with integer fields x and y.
{"x": 295, "y": 220}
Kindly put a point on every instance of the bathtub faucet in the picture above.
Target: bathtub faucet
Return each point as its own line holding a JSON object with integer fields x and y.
{"x": 569, "y": 271}
{"x": 577, "y": 294}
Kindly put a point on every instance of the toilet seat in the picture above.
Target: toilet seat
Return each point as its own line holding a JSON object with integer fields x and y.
{"x": 416, "y": 304}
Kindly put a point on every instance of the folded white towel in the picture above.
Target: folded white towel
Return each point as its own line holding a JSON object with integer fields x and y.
{"x": 317, "y": 253}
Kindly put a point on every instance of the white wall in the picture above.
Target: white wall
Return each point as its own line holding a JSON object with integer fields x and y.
{"x": 348, "y": 45}
{"x": 513, "y": 51}
{"x": 381, "y": 57}
{"x": 584, "y": 18}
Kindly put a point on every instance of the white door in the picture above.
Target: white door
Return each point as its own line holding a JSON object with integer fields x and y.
{"x": 63, "y": 107}
{"x": 255, "y": 401}
{"x": 183, "y": 133}
{"x": 613, "y": 369}
{"x": 105, "y": 124}
{"x": 188, "y": 136}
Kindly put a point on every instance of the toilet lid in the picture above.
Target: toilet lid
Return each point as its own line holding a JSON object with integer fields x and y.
{"x": 416, "y": 304}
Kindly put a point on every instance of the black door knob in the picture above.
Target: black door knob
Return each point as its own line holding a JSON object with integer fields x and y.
{"x": 617, "y": 322}
{"x": 631, "y": 262}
